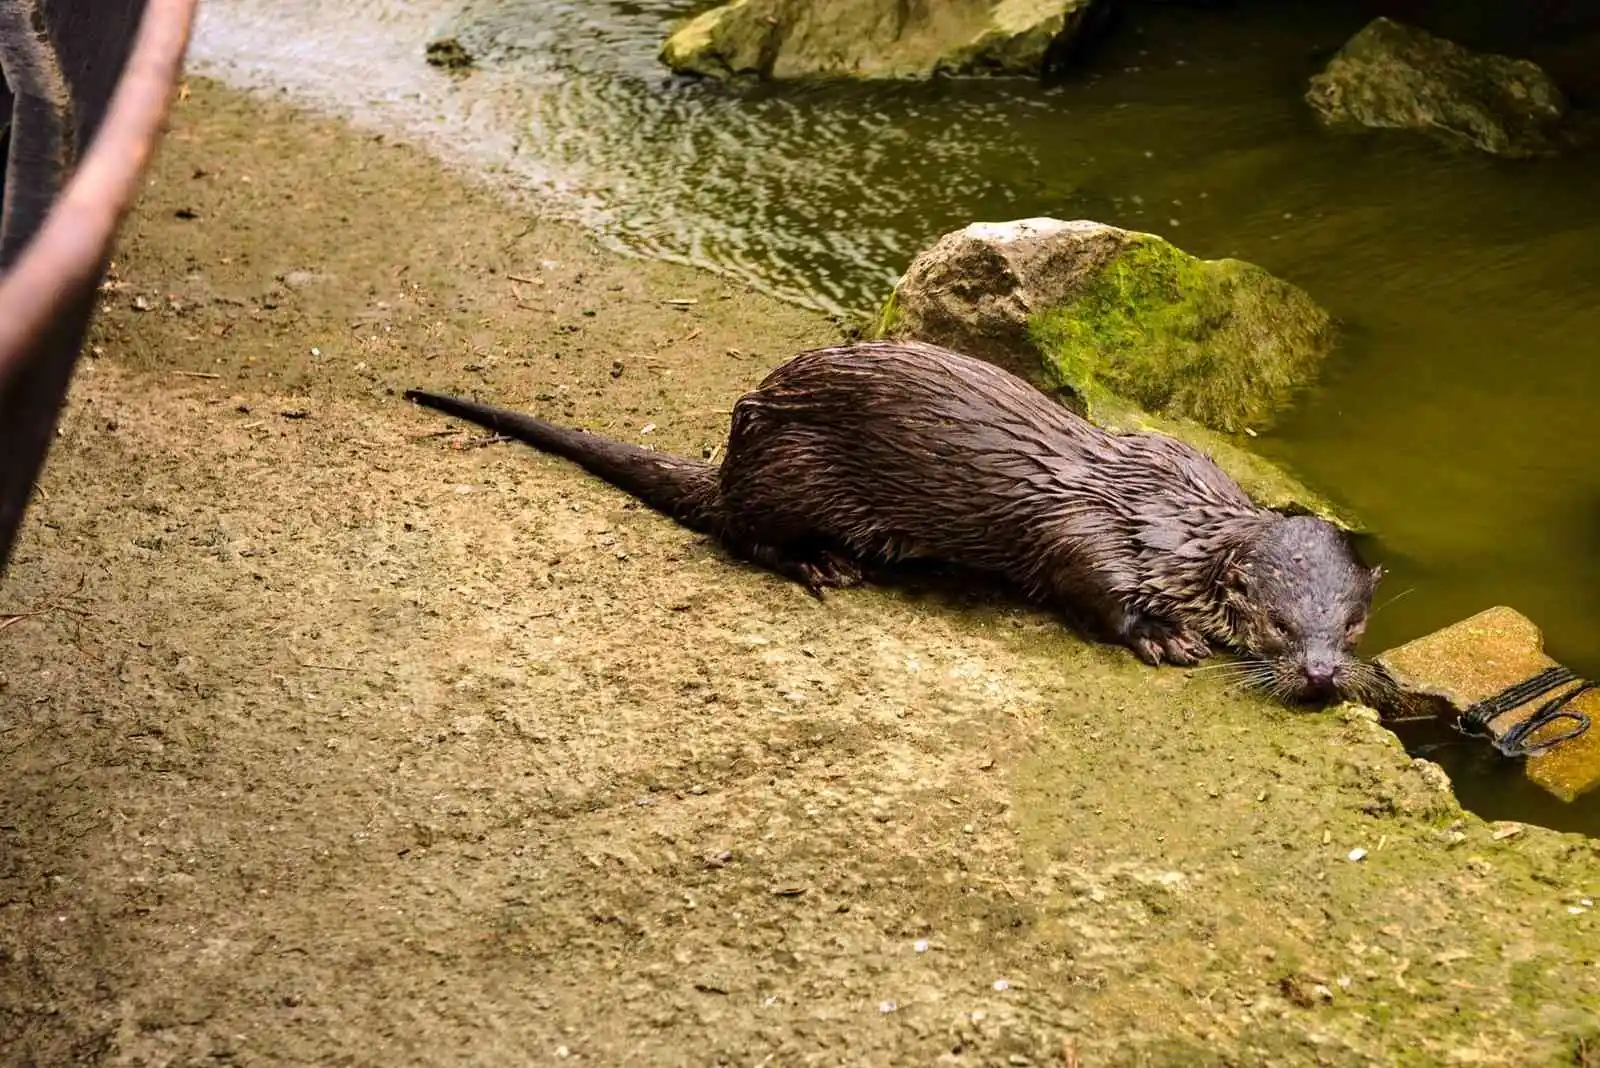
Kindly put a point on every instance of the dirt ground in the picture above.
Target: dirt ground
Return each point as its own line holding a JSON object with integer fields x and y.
{"x": 335, "y": 738}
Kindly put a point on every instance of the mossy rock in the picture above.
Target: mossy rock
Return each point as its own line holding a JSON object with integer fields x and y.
{"x": 1219, "y": 342}
{"x": 1095, "y": 308}
{"x": 873, "y": 39}
{"x": 1132, "y": 331}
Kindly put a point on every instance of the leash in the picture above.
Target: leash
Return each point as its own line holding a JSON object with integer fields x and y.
{"x": 1475, "y": 720}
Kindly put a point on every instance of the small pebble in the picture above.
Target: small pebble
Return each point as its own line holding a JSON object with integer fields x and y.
{"x": 1357, "y": 853}
{"x": 921, "y": 944}
{"x": 1001, "y": 985}
{"x": 887, "y": 1006}
{"x": 316, "y": 352}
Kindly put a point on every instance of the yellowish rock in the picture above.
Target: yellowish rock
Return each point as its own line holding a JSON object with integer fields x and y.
{"x": 1452, "y": 669}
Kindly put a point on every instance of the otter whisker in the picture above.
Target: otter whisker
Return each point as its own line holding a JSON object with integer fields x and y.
{"x": 1256, "y": 681}
{"x": 1230, "y": 667}
{"x": 1224, "y": 676}
{"x": 1390, "y": 601}
{"x": 1368, "y": 684}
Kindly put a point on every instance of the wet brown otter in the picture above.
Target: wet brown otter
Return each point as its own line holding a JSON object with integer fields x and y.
{"x": 880, "y": 452}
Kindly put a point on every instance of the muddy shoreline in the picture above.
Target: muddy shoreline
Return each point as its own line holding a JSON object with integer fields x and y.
{"x": 361, "y": 744}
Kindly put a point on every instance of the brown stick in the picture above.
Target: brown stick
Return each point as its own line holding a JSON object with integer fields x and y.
{"x": 48, "y": 606}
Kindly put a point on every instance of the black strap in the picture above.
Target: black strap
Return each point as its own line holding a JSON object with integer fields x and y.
{"x": 1514, "y": 743}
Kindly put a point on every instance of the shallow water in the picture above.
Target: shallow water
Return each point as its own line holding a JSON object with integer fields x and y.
{"x": 1455, "y": 419}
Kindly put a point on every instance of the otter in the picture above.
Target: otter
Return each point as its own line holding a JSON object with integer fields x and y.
{"x": 879, "y": 452}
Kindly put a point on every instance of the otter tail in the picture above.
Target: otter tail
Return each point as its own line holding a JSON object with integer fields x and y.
{"x": 685, "y": 490}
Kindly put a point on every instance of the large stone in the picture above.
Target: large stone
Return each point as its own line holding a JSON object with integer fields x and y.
{"x": 794, "y": 39}
{"x": 1096, "y": 309}
{"x": 1449, "y": 671}
{"x": 1136, "y": 333}
{"x": 1394, "y": 76}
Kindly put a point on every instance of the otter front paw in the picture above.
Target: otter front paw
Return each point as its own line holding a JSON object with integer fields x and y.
{"x": 1155, "y": 642}
{"x": 829, "y": 570}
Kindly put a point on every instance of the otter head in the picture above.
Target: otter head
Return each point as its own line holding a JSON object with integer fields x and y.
{"x": 1299, "y": 600}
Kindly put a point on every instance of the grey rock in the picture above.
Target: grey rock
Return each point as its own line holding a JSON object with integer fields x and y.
{"x": 1397, "y": 77}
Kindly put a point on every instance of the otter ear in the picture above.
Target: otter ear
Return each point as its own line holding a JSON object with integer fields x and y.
{"x": 1235, "y": 576}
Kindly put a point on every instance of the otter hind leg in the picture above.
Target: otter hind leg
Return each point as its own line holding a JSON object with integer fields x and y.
{"x": 816, "y": 569}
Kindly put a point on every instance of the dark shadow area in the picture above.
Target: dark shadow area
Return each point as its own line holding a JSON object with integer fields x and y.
{"x": 1562, "y": 36}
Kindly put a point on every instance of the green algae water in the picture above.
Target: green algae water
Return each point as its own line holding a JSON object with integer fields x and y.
{"x": 1456, "y": 418}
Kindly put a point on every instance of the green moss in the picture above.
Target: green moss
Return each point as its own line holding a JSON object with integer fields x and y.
{"x": 709, "y": 45}
{"x": 1422, "y": 947}
{"x": 888, "y": 320}
{"x": 1221, "y": 342}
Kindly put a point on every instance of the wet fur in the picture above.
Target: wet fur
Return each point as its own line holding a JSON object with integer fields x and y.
{"x": 881, "y": 452}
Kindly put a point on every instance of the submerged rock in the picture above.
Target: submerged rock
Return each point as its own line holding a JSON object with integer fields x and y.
{"x": 787, "y": 39}
{"x": 1394, "y": 76}
{"x": 448, "y": 53}
{"x": 1136, "y": 333}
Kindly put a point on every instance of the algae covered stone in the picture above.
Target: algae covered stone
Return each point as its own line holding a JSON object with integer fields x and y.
{"x": 793, "y": 39}
{"x": 1096, "y": 309}
{"x": 1133, "y": 332}
{"x": 1394, "y": 76}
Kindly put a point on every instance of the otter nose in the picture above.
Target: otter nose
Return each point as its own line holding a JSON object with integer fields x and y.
{"x": 1320, "y": 676}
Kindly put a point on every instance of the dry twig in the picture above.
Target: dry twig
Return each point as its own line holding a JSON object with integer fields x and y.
{"x": 478, "y": 443}
{"x": 48, "y": 606}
